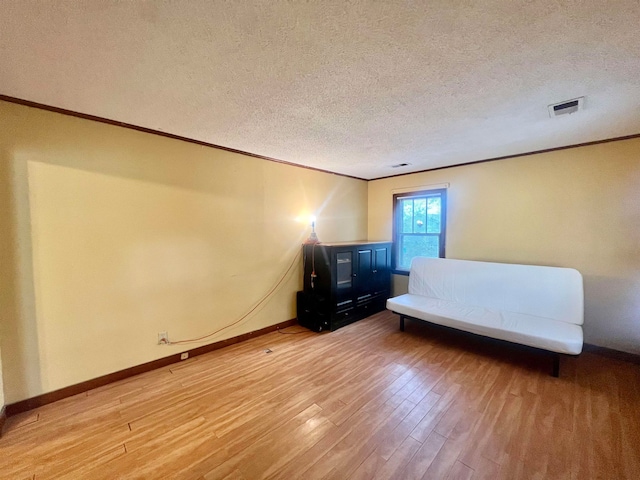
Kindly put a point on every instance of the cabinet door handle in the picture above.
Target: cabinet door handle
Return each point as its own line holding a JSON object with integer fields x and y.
{"x": 354, "y": 274}
{"x": 375, "y": 271}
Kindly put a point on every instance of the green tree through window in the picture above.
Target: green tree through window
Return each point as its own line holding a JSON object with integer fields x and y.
{"x": 419, "y": 226}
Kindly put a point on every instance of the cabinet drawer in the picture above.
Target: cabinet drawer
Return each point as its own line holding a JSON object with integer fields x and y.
{"x": 365, "y": 298}
{"x": 344, "y": 306}
{"x": 344, "y": 315}
{"x": 367, "y": 309}
{"x": 377, "y": 304}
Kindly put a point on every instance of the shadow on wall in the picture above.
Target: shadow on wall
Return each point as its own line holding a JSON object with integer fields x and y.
{"x": 609, "y": 301}
{"x": 18, "y": 330}
{"x": 86, "y": 211}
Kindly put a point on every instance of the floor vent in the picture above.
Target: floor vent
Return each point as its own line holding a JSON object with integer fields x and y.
{"x": 566, "y": 107}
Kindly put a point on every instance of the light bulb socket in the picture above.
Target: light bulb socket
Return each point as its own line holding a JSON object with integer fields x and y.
{"x": 312, "y": 240}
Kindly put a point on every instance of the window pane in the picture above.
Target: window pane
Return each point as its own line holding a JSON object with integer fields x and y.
{"x": 420, "y": 215}
{"x": 419, "y": 226}
{"x": 433, "y": 214}
{"x": 417, "y": 246}
{"x": 407, "y": 216}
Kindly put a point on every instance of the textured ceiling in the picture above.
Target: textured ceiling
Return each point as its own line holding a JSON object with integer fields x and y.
{"x": 349, "y": 87}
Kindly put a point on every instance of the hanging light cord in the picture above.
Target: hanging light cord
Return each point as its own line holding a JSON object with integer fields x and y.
{"x": 253, "y": 309}
{"x": 313, "y": 266}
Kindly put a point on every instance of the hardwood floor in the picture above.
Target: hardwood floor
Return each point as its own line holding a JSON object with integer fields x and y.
{"x": 365, "y": 401}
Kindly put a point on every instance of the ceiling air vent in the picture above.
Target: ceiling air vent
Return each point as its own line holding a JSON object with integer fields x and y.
{"x": 566, "y": 107}
{"x": 400, "y": 165}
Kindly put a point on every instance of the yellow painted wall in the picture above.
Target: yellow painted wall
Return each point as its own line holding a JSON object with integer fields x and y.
{"x": 1, "y": 385}
{"x": 110, "y": 236}
{"x": 8, "y": 281}
{"x": 575, "y": 208}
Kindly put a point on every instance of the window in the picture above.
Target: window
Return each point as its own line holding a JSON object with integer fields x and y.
{"x": 419, "y": 226}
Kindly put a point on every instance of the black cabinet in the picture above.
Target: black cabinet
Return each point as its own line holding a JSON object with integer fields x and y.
{"x": 343, "y": 282}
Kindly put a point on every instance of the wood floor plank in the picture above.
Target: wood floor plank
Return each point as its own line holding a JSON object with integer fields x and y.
{"x": 357, "y": 445}
{"x": 487, "y": 470}
{"x": 70, "y": 470}
{"x": 457, "y": 439}
{"x": 460, "y": 472}
{"x": 424, "y": 457}
{"x": 394, "y": 466}
{"x": 261, "y": 459}
{"x": 365, "y": 401}
{"x": 408, "y": 424}
{"x": 369, "y": 467}
{"x": 444, "y": 461}
{"x": 431, "y": 419}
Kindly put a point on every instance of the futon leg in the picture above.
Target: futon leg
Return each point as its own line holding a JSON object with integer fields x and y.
{"x": 556, "y": 365}
{"x": 402, "y": 323}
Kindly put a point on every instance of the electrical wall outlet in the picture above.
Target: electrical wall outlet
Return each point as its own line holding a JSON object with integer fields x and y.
{"x": 184, "y": 356}
{"x": 163, "y": 338}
